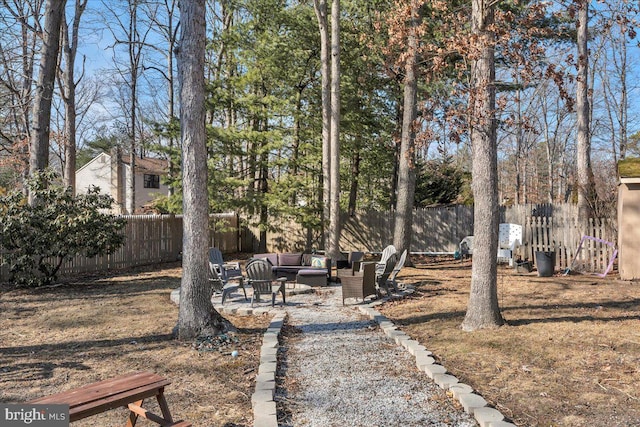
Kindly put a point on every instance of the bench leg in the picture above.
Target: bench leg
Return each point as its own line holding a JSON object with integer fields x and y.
{"x": 138, "y": 411}
{"x": 166, "y": 414}
{"x": 133, "y": 417}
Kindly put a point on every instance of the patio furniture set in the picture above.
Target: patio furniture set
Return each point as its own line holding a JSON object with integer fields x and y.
{"x": 268, "y": 273}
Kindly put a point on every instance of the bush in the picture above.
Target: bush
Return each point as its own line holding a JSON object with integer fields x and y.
{"x": 38, "y": 238}
{"x": 439, "y": 182}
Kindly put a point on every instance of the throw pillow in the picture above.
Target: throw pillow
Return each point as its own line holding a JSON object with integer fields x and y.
{"x": 319, "y": 262}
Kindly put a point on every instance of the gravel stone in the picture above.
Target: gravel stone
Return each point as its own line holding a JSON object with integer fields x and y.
{"x": 344, "y": 371}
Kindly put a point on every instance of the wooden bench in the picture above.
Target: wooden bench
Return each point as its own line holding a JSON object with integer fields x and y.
{"x": 128, "y": 391}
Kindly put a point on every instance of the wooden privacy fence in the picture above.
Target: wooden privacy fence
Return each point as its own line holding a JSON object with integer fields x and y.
{"x": 435, "y": 230}
{"x": 158, "y": 238}
{"x": 562, "y": 235}
{"x": 546, "y": 227}
{"x": 151, "y": 239}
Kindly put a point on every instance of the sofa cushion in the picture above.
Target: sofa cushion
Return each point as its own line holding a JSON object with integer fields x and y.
{"x": 290, "y": 259}
{"x": 312, "y": 272}
{"x": 306, "y": 259}
{"x": 318, "y": 261}
{"x": 273, "y": 258}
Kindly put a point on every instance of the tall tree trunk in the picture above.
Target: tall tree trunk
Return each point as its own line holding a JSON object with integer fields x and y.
{"x": 134, "y": 61}
{"x": 320, "y": 7}
{"x": 482, "y": 309}
{"x": 407, "y": 161}
{"x": 23, "y": 95}
{"x": 519, "y": 148}
{"x": 39, "y": 144}
{"x": 355, "y": 175}
{"x": 586, "y": 190}
{"x": 333, "y": 247}
{"x": 197, "y": 315}
{"x": 397, "y": 139}
{"x": 623, "y": 107}
{"x": 68, "y": 90}
{"x": 173, "y": 168}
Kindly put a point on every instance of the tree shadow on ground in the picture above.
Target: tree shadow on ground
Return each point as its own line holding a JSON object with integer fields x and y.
{"x": 556, "y": 308}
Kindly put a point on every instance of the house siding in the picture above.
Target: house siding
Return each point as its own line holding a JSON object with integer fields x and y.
{"x": 100, "y": 172}
{"x": 95, "y": 173}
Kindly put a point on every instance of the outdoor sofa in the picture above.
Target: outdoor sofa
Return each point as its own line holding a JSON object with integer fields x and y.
{"x": 306, "y": 269}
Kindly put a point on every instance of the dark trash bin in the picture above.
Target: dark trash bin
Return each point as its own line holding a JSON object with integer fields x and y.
{"x": 545, "y": 263}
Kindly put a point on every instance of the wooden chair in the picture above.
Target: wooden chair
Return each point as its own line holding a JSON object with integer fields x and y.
{"x": 260, "y": 276}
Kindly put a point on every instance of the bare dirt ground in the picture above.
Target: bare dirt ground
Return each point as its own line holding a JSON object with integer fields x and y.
{"x": 568, "y": 356}
{"x": 57, "y": 338}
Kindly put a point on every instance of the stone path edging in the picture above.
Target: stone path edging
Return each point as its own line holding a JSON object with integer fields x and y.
{"x": 473, "y": 403}
{"x": 262, "y": 400}
{"x": 264, "y": 407}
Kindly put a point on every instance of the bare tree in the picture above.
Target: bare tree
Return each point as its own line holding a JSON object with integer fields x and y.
{"x": 68, "y": 85}
{"x": 483, "y": 310}
{"x": 197, "y": 315}
{"x": 586, "y": 188}
{"x": 39, "y": 144}
{"x": 87, "y": 94}
{"x": 18, "y": 48}
{"x": 162, "y": 17}
{"x": 615, "y": 26}
{"x": 556, "y": 125}
{"x": 124, "y": 26}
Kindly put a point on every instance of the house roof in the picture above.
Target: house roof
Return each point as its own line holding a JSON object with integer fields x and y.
{"x": 629, "y": 170}
{"x": 149, "y": 165}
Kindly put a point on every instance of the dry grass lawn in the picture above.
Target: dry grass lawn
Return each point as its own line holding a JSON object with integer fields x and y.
{"x": 568, "y": 356}
{"x": 57, "y": 338}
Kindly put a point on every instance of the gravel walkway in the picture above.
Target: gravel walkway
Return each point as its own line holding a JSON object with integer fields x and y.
{"x": 337, "y": 368}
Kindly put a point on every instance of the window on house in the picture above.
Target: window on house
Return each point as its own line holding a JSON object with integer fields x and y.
{"x": 151, "y": 181}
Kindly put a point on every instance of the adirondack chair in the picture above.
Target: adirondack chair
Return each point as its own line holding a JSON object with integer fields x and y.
{"x": 226, "y": 270}
{"x": 220, "y": 286}
{"x": 260, "y": 277}
{"x": 383, "y": 275}
{"x": 466, "y": 247}
{"x": 386, "y": 253}
{"x": 391, "y": 280}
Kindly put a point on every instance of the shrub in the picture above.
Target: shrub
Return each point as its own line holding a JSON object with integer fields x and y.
{"x": 37, "y": 239}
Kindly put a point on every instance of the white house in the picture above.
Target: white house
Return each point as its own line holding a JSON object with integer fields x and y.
{"x": 112, "y": 174}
